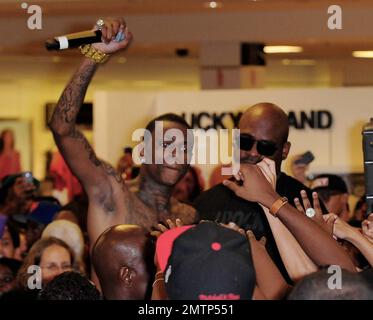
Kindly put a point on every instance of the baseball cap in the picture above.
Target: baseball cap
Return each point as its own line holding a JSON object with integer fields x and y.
{"x": 208, "y": 262}
{"x": 165, "y": 243}
{"x": 42, "y": 212}
{"x": 329, "y": 181}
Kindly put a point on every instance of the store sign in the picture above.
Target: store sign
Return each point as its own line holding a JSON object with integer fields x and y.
{"x": 312, "y": 119}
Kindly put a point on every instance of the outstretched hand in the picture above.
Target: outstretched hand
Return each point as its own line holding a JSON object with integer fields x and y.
{"x": 249, "y": 233}
{"x": 110, "y": 31}
{"x": 318, "y": 217}
{"x": 367, "y": 228}
{"x": 341, "y": 229}
{"x": 161, "y": 228}
{"x": 259, "y": 182}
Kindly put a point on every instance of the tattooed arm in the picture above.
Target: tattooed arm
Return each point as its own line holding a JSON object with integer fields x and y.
{"x": 71, "y": 142}
{"x": 94, "y": 174}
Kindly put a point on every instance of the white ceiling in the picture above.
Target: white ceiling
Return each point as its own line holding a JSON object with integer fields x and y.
{"x": 160, "y": 26}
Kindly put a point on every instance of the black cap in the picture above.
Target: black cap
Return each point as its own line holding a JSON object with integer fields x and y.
{"x": 331, "y": 182}
{"x": 209, "y": 262}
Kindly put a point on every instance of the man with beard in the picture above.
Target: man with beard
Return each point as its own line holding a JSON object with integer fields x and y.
{"x": 264, "y": 131}
{"x": 110, "y": 201}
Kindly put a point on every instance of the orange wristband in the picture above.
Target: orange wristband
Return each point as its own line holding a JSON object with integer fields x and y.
{"x": 277, "y": 205}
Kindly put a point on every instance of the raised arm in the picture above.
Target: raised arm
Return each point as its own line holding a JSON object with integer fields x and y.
{"x": 316, "y": 242}
{"x": 74, "y": 147}
{"x": 342, "y": 230}
{"x": 268, "y": 277}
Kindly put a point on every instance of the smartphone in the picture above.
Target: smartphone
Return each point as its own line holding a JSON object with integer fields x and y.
{"x": 28, "y": 176}
{"x": 306, "y": 158}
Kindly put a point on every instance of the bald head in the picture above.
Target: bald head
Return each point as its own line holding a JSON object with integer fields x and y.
{"x": 268, "y": 125}
{"x": 123, "y": 260}
{"x": 269, "y": 117}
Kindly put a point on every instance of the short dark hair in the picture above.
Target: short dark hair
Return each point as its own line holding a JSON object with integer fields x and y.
{"x": 360, "y": 203}
{"x": 331, "y": 186}
{"x": 325, "y": 194}
{"x": 315, "y": 287}
{"x": 69, "y": 286}
{"x": 12, "y": 264}
{"x": 171, "y": 117}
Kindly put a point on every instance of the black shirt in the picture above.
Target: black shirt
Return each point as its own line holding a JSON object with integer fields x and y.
{"x": 290, "y": 188}
{"x": 221, "y": 204}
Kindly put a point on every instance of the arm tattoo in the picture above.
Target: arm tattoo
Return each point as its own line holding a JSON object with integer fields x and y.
{"x": 108, "y": 169}
{"x": 111, "y": 172}
{"x": 67, "y": 109}
{"x": 68, "y": 106}
{"x": 76, "y": 134}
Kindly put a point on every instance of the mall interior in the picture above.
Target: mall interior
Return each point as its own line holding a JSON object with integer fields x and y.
{"x": 208, "y": 62}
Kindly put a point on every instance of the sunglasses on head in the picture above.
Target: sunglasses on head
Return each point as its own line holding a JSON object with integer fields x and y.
{"x": 265, "y": 148}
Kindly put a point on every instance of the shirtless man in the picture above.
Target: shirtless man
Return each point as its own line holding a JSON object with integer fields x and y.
{"x": 110, "y": 200}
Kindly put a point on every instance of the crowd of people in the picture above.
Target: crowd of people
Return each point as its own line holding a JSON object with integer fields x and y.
{"x": 157, "y": 232}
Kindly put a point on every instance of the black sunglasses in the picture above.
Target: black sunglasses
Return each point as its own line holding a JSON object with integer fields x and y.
{"x": 265, "y": 148}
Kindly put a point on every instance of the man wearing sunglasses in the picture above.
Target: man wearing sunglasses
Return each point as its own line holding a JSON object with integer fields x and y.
{"x": 264, "y": 130}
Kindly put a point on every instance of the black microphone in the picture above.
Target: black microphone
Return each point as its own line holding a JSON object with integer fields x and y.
{"x": 74, "y": 40}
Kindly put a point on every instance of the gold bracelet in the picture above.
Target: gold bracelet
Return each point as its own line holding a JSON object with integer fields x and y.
{"x": 96, "y": 55}
{"x": 159, "y": 279}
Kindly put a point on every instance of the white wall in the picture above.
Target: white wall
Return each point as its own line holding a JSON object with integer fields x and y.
{"x": 337, "y": 149}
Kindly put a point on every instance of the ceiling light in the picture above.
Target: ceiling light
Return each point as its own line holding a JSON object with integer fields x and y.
{"x": 213, "y": 4}
{"x": 282, "y": 49}
{"x": 298, "y": 62}
{"x": 363, "y": 54}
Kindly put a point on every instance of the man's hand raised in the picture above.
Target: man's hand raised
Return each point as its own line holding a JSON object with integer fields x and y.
{"x": 258, "y": 183}
{"x": 110, "y": 30}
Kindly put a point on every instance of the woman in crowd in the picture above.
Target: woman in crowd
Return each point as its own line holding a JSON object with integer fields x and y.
{"x": 71, "y": 234}
{"x": 52, "y": 255}
{"x": 10, "y": 162}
